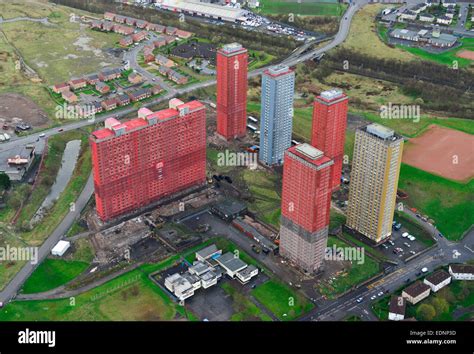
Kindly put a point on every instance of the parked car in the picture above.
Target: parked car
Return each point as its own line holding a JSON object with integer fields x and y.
{"x": 359, "y": 300}
{"x": 405, "y": 234}
{"x": 406, "y": 244}
{"x": 424, "y": 270}
{"x": 42, "y": 135}
{"x": 391, "y": 242}
{"x": 380, "y": 293}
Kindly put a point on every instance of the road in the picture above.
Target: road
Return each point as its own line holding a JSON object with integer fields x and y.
{"x": 16, "y": 283}
{"x": 296, "y": 57}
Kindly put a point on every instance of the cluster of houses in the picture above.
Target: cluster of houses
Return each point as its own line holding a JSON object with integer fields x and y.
{"x": 157, "y": 43}
{"x": 134, "y": 30}
{"x": 419, "y": 291}
{"x": 432, "y": 38}
{"x": 418, "y": 12}
{"x": 173, "y": 75}
{"x": 209, "y": 267}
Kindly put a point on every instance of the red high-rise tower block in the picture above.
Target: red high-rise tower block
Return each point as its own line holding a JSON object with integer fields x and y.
{"x": 305, "y": 206}
{"x": 155, "y": 155}
{"x": 329, "y": 128}
{"x": 232, "y": 91}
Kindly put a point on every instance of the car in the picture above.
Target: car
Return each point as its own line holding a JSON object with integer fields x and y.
{"x": 380, "y": 293}
{"x": 418, "y": 216}
{"x": 424, "y": 270}
{"x": 407, "y": 280}
{"x": 60, "y": 130}
{"x": 405, "y": 234}
{"x": 42, "y": 135}
{"x": 373, "y": 297}
{"x": 359, "y": 300}
{"x": 254, "y": 286}
{"x": 413, "y": 252}
{"x": 384, "y": 246}
{"x": 412, "y": 238}
{"x": 406, "y": 244}
{"x": 440, "y": 234}
{"x": 391, "y": 242}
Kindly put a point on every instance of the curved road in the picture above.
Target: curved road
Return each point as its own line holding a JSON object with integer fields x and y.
{"x": 11, "y": 290}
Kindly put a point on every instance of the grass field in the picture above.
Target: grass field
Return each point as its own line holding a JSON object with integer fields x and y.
{"x": 281, "y": 300}
{"x": 447, "y": 202}
{"x": 356, "y": 273}
{"x": 53, "y": 273}
{"x": 244, "y": 309}
{"x": 414, "y": 228}
{"x": 301, "y": 7}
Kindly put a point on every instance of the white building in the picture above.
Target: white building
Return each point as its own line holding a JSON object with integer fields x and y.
{"x": 427, "y": 17}
{"x": 462, "y": 271}
{"x": 180, "y": 286}
{"x": 60, "y": 248}
{"x": 208, "y": 279}
{"x": 444, "y": 20}
{"x": 437, "y": 280}
{"x": 246, "y": 274}
{"x": 208, "y": 252}
{"x": 416, "y": 292}
{"x": 408, "y": 15}
{"x": 199, "y": 268}
{"x": 397, "y": 307}
{"x": 231, "y": 264}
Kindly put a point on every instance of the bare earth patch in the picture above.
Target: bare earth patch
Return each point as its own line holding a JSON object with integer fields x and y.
{"x": 466, "y": 54}
{"x": 442, "y": 151}
{"x": 15, "y": 108}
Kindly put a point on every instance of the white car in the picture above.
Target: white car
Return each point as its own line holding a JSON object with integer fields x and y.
{"x": 359, "y": 300}
{"x": 380, "y": 293}
{"x": 373, "y": 297}
{"x": 424, "y": 270}
{"x": 411, "y": 238}
{"x": 405, "y": 234}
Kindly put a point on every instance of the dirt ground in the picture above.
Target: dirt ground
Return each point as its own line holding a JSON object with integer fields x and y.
{"x": 445, "y": 152}
{"x": 466, "y": 54}
{"x": 15, "y": 108}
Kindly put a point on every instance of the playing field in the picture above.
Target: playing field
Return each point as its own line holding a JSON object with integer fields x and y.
{"x": 302, "y": 7}
{"x": 466, "y": 54}
{"x": 442, "y": 151}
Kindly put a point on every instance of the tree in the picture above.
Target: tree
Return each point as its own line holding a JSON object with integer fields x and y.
{"x": 440, "y": 304}
{"x": 426, "y": 312}
{"x": 5, "y": 182}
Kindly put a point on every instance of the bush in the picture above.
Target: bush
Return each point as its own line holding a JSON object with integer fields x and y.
{"x": 426, "y": 312}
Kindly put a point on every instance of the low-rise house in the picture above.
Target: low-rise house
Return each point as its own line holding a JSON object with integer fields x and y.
{"x": 396, "y": 311}
{"x": 155, "y": 28}
{"x": 140, "y": 94}
{"x": 183, "y": 34}
{"x": 405, "y": 34}
{"x": 17, "y": 161}
{"x": 408, "y": 15}
{"x": 444, "y": 20}
{"x": 164, "y": 70}
{"x": 109, "y": 16}
{"x": 141, "y": 24}
{"x": 76, "y": 84}
{"x": 130, "y": 21}
{"x": 416, "y": 292}
{"x": 140, "y": 36}
{"x": 108, "y": 26}
{"x": 156, "y": 89}
{"x": 102, "y": 88}
{"x": 109, "y": 104}
{"x": 171, "y": 31}
{"x": 110, "y": 74}
{"x": 450, "y": 13}
{"x": 58, "y": 88}
{"x": 148, "y": 56}
{"x": 426, "y": 17}
{"x": 160, "y": 42}
{"x": 69, "y": 97}
{"x": 126, "y": 41}
{"x": 96, "y": 24}
{"x": 437, "y": 280}
{"x": 135, "y": 78}
{"x": 119, "y": 19}
{"x": 462, "y": 271}
{"x": 123, "y": 100}
{"x": 419, "y": 7}
{"x": 448, "y": 3}
{"x": 444, "y": 40}
{"x": 126, "y": 31}
{"x": 162, "y": 60}
{"x": 92, "y": 79}
{"x": 177, "y": 77}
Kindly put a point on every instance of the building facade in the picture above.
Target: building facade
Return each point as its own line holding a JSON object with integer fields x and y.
{"x": 329, "y": 128}
{"x": 232, "y": 91}
{"x": 305, "y": 204}
{"x": 374, "y": 180}
{"x": 155, "y": 155}
{"x": 276, "y": 119}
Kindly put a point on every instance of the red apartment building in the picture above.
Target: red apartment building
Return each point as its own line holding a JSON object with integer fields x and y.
{"x": 329, "y": 128}
{"x": 153, "y": 156}
{"x": 232, "y": 91}
{"x": 305, "y": 206}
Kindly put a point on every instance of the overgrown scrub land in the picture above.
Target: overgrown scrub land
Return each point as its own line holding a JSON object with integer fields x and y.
{"x": 277, "y": 46}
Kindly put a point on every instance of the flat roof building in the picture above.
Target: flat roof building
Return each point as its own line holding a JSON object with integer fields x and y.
{"x": 210, "y": 251}
{"x": 231, "y": 264}
{"x": 197, "y": 8}
{"x": 416, "y": 292}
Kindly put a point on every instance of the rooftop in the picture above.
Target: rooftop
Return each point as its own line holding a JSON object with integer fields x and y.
{"x": 416, "y": 289}
{"x": 438, "y": 277}
{"x": 462, "y": 268}
{"x": 309, "y": 154}
{"x": 397, "y": 305}
{"x": 379, "y": 131}
{"x": 207, "y": 251}
{"x": 231, "y": 262}
{"x": 278, "y": 70}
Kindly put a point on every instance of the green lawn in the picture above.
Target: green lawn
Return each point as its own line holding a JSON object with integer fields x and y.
{"x": 355, "y": 274}
{"x": 244, "y": 309}
{"x": 414, "y": 228}
{"x": 447, "y": 202}
{"x": 283, "y": 302}
{"x": 301, "y": 7}
{"x": 53, "y": 273}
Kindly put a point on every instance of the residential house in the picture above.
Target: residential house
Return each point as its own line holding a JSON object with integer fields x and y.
{"x": 141, "y": 24}
{"x": 102, "y": 88}
{"x": 61, "y": 87}
{"x": 109, "y": 16}
{"x": 416, "y": 292}
{"x": 171, "y": 31}
{"x": 155, "y": 27}
{"x": 448, "y": 3}
{"x": 177, "y": 77}
{"x": 135, "y": 78}
{"x": 164, "y": 70}
{"x": 426, "y": 17}
{"x": 92, "y": 79}
{"x": 77, "y": 84}
{"x": 110, "y": 74}
{"x": 140, "y": 94}
{"x": 69, "y": 97}
{"x": 160, "y": 42}
{"x": 444, "y": 20}
{"x": 396, "y": 311}
{"x": 108, "y": 26}
{"x": 140, "y": 36}
{"x": 126, "y": 41}
{"x": 126, "y": 31}
{"x": 148, "y": 55}
{"x": 408, "y": 15}
{"x": 419, "y": 8}
{"x": 437, "y": 280}
{"x": 156, "y": 89}
{"x": 462, "y": 271}
{"x": 109, "y": 104}
{"x": 130, "y": 21}
{"x": 183, "y": 34}
{"x": 96, "y": 24}
{"x": 162, "y": 60}
{"x": 122, "y": 100}
{"x": 119, "y": 19}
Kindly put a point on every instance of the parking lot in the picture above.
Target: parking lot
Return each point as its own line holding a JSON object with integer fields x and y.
{"x": 401, "y": 248}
